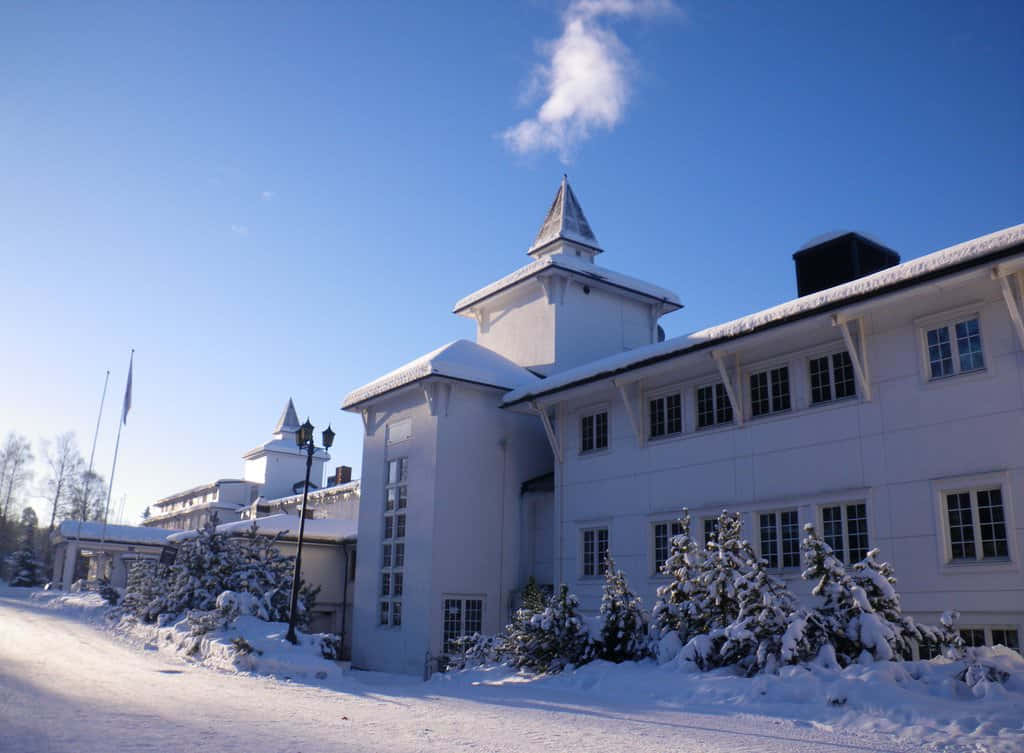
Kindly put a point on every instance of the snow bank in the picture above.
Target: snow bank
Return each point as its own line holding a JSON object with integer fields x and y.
{"x": 248, "y": 645}
{"x": 976, "y": 704}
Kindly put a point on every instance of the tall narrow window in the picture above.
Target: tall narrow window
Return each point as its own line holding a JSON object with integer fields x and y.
{"x": 976, "y": 525}
{"x": 663, "y": 533}
{"x": 832, "y": 378}
{"x": 594, "y": 432}
{"x": 713, "y": 406}
{"x": 845, "y": 529}
{"x": 954, "y": 348}
{"x": 595, "y": 551}
{"x": 392, "y": 559}
{"x": 666, "y": 416}
{"x": 769, "y": 391}
{"x": 710, "y": 530}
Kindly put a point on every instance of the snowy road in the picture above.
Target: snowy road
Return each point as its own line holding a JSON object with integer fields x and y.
{"x": 66, "y": 686}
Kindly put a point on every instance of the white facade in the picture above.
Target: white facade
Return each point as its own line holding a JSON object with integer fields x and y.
{"x": 738, "y": 416}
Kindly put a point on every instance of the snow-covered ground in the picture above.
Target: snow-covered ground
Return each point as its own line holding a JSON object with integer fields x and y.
{"x": 66, "y": 685}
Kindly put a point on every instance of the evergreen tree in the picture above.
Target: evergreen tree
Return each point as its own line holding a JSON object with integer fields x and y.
{"x": 25, "y": 567}
{"x": 624, "y": 627}
{"x": 675, "y": 608}
{"x": 551, "y": 640}
{"x": 533, "y": 599}
{"x": 720, "y": 585}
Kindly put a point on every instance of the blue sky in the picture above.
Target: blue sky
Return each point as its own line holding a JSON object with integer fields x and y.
{"x": 270, "y": 200}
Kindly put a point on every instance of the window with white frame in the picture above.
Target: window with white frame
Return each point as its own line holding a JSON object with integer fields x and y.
{"x": 461, "y": 617}
{"x": 769, "y": 391}
{"x": 832, "y": 378}
{"x": 710, "y": 530}
{"x": 665, "y": 416}
{"x": 845, "y": 529}
{"x": 780, "y": 538}
{"x": 663, "y": 534}
{"x": 976, "y": 525}
{"x": 594, "y": 431}
{"x": 392, "y": 563}
{"x": 991, "y": 635}
{"x": 713, "y": 405}
{"x": 595, "y": 551}
{"x": 954, "y": 348}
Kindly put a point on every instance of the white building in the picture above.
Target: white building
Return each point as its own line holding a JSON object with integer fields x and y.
{"x": 886, "y": 408}
{"x": 274, "y": 469}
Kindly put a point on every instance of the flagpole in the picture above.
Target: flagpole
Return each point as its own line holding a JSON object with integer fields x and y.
{"x": 117, "y": 444}
{"x": 92, "y": 455}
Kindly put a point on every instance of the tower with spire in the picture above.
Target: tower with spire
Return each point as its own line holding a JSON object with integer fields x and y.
{"x": 562, "y": 309}
{"x": 278, "y": 464}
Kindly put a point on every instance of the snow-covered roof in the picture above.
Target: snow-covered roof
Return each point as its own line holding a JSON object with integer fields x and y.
{"x": 203, "y": 488}
{"x": 942, "y": 262}
{"x": 330, "y": 529}
{"x": 579, "y": 267}
{"x": 289, "y": 420}
{"x": 565, "y": 220}
{"x": 93, "y": 530}
{"x": 462, "y": 360}
{"x": 285, "y": 446}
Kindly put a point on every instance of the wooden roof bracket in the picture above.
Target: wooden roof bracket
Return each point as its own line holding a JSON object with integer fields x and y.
{"x": 733, "y": 391}
{"x": 1013, "y": 295}
{"x": 858, "y": 356}
{"x": 556, "y": 447}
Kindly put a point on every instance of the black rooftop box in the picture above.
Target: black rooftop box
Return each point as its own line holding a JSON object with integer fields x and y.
{"x": 840, "y": 259}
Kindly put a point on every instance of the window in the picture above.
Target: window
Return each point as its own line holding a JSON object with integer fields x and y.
{"x": 594, "y": 432}
{"x": 1008, "y": 637}
{"x": 595, "y": 551}
{"x": 666, "y": 416}
{"x": 713, "y": 406}
{"x": 663, "y": 533}
{"x": 954, "y": 348}
{"x": 710, "y": 530}
{"x": 832, "y": 378}
{"x": 392, "y": 558}
{"x": 973, "y": 637}
{"x": 780, "y": 538}
{"x": 845, "y": 529}
{"x": 461, "y": 617}
{"x": 769, "y": 391}
{"x": 976, "y": 524}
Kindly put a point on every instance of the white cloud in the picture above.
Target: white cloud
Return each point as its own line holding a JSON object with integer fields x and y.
{"x": 240, "y": 229}
{"x": 585, "y": 79}
{"x": 267, "y": 195}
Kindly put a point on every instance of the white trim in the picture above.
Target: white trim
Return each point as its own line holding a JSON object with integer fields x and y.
{"x": 675, "y": 389}
{"x": 973, "y": 483}
{"x": 593, "y": 410}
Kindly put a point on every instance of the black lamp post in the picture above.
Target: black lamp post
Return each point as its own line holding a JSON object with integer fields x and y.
{"x": 304, "y": 439}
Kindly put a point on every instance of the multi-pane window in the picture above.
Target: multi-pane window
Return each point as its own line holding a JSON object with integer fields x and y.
{"x": 663, "y": 533}
{"x": 832, "y": 378}
{"x": 461, "y": 617}
{"x": 769, "y": 391}
{"x": 991, "y": 636}
{"x": 973, "y": 637}
{"x": 594, "y": 432}
{"x": 976, "y": 522}
{"x": 954, "y": 349}
{"x": 713, "y": 406}
{"x": 845, "y": 529}
{"x": 595, "y": 551}
{"x": 710, "y": 530}
{"x": 666, "y": 416}
{"x": 780, "y": 538}
{"x": 392, "y": 560}
{"x": 1008, "y": 637}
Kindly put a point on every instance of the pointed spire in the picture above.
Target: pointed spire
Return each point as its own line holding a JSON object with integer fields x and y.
{"x": 565, "y": 221}
{"x": 289, "y": 421}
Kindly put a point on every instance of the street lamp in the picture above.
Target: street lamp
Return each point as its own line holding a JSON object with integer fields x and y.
{"x": 304, "y": 439}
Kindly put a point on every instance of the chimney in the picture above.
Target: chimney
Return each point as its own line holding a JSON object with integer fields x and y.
{"x": 839, "y": 259}
{"x": 342, "y": 475}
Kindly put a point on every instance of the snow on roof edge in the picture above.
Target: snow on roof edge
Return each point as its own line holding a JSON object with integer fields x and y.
{"x": 569, "y": 264}
{"x": 316, "y": 529}
{"x": 928, "y": 264}
{"x": 95, "y": 530}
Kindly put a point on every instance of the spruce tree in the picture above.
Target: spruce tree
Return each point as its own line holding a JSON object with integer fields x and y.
{"x": 674, "y": 609}
{"x": 624, "y": 627}
{"x": 551, "y": 640}
{"x": 720, "y": 587}
{"x": 25, "y": 567}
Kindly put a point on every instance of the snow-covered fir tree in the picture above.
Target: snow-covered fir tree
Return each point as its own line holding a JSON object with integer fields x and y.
{"x": 25, "y": 567}
{"x": 675, "y": 610}
{"x": 624, "y": 627}
{"x": 533, "y": 598}
{"x": 551, "y": 640}
{"x": 720, "y": 582}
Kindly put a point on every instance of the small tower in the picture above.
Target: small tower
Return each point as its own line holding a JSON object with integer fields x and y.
{"x": 562, "y": 310}
{"x": 565, "y": 230}
{"x": 279, "y": 464}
